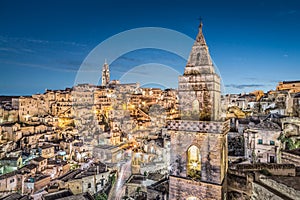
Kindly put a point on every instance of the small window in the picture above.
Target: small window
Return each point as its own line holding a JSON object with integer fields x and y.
{"x": 272, "y": 142}
{"x": 260, "y": 141}
{"x": 12, "y": 180}
{"x": 89, "y": 185}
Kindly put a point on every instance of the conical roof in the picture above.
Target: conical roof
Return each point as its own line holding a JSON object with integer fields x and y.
{"x": 199, "y": 61}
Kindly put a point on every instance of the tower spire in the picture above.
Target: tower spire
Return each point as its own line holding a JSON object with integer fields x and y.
{"x": 200, "y": 37}
{"x": 201, "y": 24}
{"x": 199, "y": 61}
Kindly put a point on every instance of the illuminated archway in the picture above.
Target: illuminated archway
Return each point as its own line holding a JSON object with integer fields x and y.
{"x": 194, "y": 162}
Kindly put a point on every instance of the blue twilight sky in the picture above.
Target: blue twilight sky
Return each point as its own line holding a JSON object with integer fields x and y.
{"x": 254, "y": 43}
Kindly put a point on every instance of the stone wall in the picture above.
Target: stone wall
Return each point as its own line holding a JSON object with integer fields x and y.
{"x": 239, "y": 182}
{"x": 158, "y": 190}
{"x": 183, "y": 189}
{"x": 274, "y": 169}
{"x": 284, "y": 189}
{"x": 205, "y": 88}
{"x": 261, "y": 193}
{"x": 288, "y": 158}
{"x": 210, "y": 146}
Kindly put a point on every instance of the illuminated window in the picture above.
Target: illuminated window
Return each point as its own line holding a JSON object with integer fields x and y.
{"x": 192, "y": 198}
{"x": 194, "y": 162}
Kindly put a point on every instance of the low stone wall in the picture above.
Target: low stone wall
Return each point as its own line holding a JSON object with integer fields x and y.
{"x": 288, "y": 158}
{"x": 261, "y": 193}
{"x": 274, "y": 169}
{"x": 240, "y": 182}
{"x": 284, "y": 189}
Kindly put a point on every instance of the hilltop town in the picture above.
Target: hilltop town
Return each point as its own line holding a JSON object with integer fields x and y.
{"x": 122, "y": 141}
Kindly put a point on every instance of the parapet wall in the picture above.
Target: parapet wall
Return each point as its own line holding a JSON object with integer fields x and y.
{"x": 274, "y": 169}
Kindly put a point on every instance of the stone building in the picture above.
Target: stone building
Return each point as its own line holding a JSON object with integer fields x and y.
{"x": 261, "y": 143}
{"x": 35, "y": 183}
{"x": 27, "y": 108}
{"x": 47, "y": 151}
{"x": 9, "y": 164}
{"x": 40, "y": 162}
{"x": 8, "y": 183}
{"x": 199, "y": 138}
{"x": 292, "y": 86}
{"x": 91, "y": 180}
{"x": 105, "y": 74}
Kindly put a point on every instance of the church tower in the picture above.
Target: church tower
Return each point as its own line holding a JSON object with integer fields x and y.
{"x": 199, "y": 139}
{"x": 105, "y": 74}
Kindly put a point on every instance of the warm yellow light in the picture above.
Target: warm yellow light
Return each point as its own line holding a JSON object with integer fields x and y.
{"x": 194, "y": 164}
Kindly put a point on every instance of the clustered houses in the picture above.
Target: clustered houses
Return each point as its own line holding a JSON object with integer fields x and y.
{"x": 53, "y": 141}
{"x": 264, "y": 139}
{"x": 121, "y": 140}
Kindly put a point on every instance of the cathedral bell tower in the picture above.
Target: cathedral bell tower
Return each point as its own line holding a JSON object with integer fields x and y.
{"x": 105, "y": 74}
{"x": 199, "y": 138}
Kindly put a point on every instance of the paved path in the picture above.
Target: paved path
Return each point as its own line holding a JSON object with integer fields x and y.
{"x": 118, "y": 189}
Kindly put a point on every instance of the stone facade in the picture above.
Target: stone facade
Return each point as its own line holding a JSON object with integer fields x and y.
{"x": 262, "y": 144}
{"x": 292, "y": 86}
{"x": 212, "y": 148}
{"x": 105, "y": 74}
{"x": 199, "y": 140}
{"x": 199, "y": 87}
{"x": 185, "y": 189}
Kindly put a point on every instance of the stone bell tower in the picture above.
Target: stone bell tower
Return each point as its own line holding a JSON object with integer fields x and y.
{"x": 105, "y": 74}
{"x": 199, "y": 139}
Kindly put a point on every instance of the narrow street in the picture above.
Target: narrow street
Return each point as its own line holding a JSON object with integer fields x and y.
{"x": 118, "y": 190}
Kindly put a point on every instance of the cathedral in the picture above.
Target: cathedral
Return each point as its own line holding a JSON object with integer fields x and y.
{"x": 199, "y": 138}
{"x": 105, "y": 74}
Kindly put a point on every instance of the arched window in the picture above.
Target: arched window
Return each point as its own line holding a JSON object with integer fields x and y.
{"x": 223, "y": 161}
{"x": 198, "y": 56}
{"x": 194, "y": 162}
{"x": 195, "y": 106}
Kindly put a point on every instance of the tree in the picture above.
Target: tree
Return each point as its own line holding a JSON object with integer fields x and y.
{"x": 101, "y": 196}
